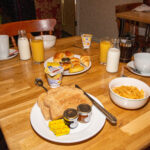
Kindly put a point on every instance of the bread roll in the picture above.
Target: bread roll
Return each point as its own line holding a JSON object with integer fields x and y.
{"x": 68, "y": 54}
{"x": 58, "y": 57}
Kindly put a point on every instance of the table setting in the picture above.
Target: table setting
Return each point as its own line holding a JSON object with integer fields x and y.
{"x": 62, "y": 77}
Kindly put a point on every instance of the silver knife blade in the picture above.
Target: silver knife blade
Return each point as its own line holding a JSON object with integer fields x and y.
{"x": 112, "y": 119}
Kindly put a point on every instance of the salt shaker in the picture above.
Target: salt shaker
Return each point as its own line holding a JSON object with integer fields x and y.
{"x": 113, "y": 57}
{"x": 23, "y": 45}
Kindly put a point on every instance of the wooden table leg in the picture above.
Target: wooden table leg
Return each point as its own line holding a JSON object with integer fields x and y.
{"x": 121, "y": 28}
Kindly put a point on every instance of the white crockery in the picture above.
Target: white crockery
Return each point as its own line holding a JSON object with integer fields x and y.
{"x": 48, "y": 40}
{"x": 126, "y": 102}
{"x": 142, "y": 62}
{"x": 4, "y": 46}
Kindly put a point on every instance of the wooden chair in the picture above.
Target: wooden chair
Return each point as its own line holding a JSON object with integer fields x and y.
{"x": 30, "y": 26}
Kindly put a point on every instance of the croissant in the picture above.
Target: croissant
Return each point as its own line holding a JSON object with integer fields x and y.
{"x": 75, "y": 61}
{"x": 66, "y": 66}
{"x": 76, "y": 68}
{"x": 85, "y": 60}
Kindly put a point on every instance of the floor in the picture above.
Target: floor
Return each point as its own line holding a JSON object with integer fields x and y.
{"x": 3, "y": 145}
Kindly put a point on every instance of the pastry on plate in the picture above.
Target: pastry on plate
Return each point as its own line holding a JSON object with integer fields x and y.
{"x": 58, "y": 56}
{"x": 75, "y": 61}
{"x": 76, "y": 68}
{"x": 68, "y": 54}
{"x": 85, "y": 60}
{"x": 66, "y": 66}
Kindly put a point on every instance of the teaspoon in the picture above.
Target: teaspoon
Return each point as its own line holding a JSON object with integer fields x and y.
{"x": 39, "y": 82}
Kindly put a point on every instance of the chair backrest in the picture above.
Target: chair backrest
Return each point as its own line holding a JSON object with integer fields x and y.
{"x": 30, "y": 26}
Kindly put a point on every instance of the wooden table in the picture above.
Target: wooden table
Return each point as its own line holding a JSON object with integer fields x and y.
{"x": 18, "y": 94}
{"x": 143, "y": 17}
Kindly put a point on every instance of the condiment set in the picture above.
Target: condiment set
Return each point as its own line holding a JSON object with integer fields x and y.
{"x": 82, "y": 114}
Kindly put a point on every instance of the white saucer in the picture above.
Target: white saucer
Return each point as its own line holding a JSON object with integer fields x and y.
{"x": 131, "y": 64}
{"x": 12, "y": 53}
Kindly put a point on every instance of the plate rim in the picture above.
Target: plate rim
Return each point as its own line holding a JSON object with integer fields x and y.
{"x": 131, "y": 64}
{"x": 9, "y": 57}
{"x": 100, "y": 126}
{"x": 75, "y": 73}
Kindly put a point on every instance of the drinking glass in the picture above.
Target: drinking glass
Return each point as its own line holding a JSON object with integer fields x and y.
{"x": 86, "y": 40}
{"x": 105, "y": 44}
{"x": 37, "y": 50}
{"x": 4, "y": 46}
{"x": 126, "y": 48}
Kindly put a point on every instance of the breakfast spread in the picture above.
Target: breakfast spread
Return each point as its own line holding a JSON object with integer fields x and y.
{"x": 64, "y": 102}
{"x": 131, "y": 92}
{"x": 57, "y": 100}
{"x": 71, "y": 63}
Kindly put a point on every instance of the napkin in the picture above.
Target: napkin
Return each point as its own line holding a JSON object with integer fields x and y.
{"x": 142, "y": 7}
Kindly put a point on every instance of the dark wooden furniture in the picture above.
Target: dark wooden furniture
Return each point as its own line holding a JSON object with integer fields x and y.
{"x": 134, "y": 18}
{"x": 30, "y": 26}
{"x": 129, "y": 25}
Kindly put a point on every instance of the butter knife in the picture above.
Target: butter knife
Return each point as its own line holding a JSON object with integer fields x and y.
{"x": 112, "y": 119}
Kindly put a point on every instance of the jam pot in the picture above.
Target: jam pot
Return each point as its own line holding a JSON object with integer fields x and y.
{"x": 71, "y": 118}
{"x": 84, "y": 113}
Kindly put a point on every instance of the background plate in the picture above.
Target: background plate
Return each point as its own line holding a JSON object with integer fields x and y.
{"x": 12, "y": 53}
{"x": 131, "y": 64}
{"x": 67, "y": 72}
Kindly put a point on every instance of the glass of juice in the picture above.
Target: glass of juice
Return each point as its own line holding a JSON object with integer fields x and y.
{"x": 37, "y": 48}
{"x": 105, "y": 44}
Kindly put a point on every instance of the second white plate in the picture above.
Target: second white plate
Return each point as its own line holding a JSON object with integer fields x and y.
{"x": 131, "y": 64}
{"x": 67, "y": 72}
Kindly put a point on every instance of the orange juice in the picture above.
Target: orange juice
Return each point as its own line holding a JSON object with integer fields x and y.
{"x": 37, "y": 50}
{"x": 104, "y": 47}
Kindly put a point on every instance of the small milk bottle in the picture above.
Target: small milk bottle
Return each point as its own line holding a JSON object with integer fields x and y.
{"x": 113, "y": 57}
{"x": 23, "y": 45}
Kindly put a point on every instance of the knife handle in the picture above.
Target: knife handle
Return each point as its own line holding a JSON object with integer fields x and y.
{"x": 112, "y": 119}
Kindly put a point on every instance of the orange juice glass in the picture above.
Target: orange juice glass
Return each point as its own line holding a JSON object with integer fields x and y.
{"x": 37, "y": 50}
{"x": 104, "y": 47}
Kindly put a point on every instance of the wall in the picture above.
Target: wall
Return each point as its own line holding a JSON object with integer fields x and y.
{"x": 98, "y": 17}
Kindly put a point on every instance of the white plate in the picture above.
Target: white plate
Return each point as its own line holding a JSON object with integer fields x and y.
{"x": 83, "y": 131}
{"x": 131, "y": 64}
{"x": 12, "y": 53}
{"x": 67, "y": 72}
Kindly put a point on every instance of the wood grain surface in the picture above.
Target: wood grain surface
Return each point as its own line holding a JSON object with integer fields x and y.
{"x": 18, "y": 94}
{"x": 143, "y": 17}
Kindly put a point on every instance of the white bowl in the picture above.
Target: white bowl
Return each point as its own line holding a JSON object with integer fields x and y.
{"x": 142, "y": 62}
{"x": 48, "y": 40}
{"x": 126, "y": 102}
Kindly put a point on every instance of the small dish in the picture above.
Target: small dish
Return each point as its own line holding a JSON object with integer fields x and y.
{"x": 12, "y": 53}
{"x": 130, "y": 65}
{"x": 129, "y": 103}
